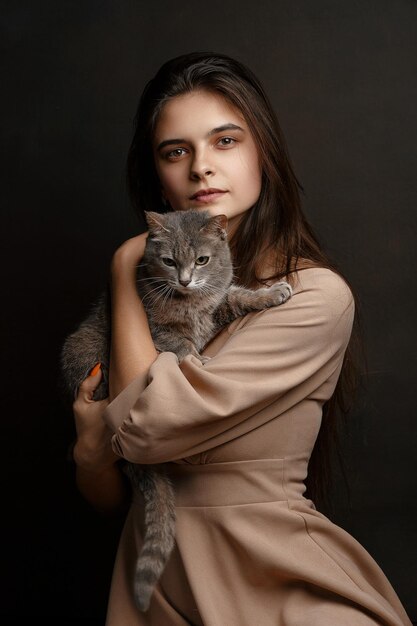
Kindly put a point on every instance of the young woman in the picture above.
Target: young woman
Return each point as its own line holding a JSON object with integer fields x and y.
{"x": 236, "y": 433}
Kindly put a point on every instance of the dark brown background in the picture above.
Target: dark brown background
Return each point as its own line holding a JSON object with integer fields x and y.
{"x": 342, "y": 77}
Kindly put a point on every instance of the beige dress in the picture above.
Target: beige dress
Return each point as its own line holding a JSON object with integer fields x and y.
{"x": 237, "y": 434}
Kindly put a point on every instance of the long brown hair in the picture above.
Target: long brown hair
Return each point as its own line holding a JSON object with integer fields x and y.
{"x": 275, "y": 225}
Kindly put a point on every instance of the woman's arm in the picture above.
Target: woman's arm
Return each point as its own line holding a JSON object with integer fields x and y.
{"x": 132, "y": 349}
{"x": 98, "y": 475}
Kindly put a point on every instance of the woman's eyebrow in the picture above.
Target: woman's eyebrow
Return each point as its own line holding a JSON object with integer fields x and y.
{"x": 220, "y": 129}
{"x": 213, "y": 131}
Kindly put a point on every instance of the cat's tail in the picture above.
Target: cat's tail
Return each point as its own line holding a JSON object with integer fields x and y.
{"x": 159, "y": 536}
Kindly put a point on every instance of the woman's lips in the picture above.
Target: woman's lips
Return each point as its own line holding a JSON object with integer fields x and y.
{"x": 209, "y": 197}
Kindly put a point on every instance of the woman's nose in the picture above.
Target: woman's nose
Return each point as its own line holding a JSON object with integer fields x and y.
{"x": 201, "y": 166}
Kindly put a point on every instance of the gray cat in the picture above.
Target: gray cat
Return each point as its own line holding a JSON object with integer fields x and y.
{"x": 185, "y": 283}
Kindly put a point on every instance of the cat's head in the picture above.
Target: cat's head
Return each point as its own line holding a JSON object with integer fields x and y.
{"x": 188, "y": 250}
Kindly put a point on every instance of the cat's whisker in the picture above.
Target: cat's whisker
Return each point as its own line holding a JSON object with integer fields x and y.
{"x": 168, "y": 295}
{"x": 212, "y": 288}
{"x": 154, "y": 289}
{"x": 150, "y": 279}
{"x": 164, "y": 296}
{"x": 206, "y": 291}
{"x": 158, "y": 289}
{"x": 154, "y": 296}
{"x": 156, "y": 299}
{"x": 204, "y": 288}
{"x": 166, "y": 290}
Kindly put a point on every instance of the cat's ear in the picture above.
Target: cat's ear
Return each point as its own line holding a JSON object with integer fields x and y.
{"x": 155, "y": 223}
{"x": 216, "y": 226}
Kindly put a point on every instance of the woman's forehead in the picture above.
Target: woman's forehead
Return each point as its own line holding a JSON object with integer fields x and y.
{"x": 195, "y": 114}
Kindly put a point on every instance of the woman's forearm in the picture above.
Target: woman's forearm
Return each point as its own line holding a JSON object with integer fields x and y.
{"x": 98, "y": 474}
{"x": 132, "y": 349}
{"x": 105, "y": 490}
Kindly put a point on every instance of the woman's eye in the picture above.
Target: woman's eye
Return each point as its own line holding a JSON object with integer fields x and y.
{"x": 168, "y": 261}
{"x": 202, "y": 260}
{"x": 227, "y": 141}
{"x": 174, "y": 154}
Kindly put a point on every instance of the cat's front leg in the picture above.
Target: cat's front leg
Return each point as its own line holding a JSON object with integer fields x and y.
{"x": 276, "y": 294}
{"x": 240, "y": 301}
{"x": 181, "y": 346}
{"x": 184, "y": 347}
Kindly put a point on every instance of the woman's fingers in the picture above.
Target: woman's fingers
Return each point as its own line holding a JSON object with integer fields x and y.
{"x": 129, "y": 254}
{"x": 90, "y": 384}
{"x": 93, "y": 446}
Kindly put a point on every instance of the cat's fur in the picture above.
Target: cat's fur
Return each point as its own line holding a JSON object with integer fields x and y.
{"x": 191, "y": 248}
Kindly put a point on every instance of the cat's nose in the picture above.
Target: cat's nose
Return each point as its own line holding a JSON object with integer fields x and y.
{"x": 184, "y": 283}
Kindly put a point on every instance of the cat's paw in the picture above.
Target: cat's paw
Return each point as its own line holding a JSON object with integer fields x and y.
{"x": 278, "y": 293}
{"x": 202, "y": 359}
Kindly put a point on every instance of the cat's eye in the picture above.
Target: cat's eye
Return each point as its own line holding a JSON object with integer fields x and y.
{"x": 168, "y": 261}
{"x": 202, "y": 260}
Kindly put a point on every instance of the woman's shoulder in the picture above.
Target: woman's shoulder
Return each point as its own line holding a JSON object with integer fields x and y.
{"x": 321, "y": 309}
{"x": 315, "y": 272}
{"x": 307, "y": 275}
{"x": 323, "y": 287}
{"x": 321, "y": 298}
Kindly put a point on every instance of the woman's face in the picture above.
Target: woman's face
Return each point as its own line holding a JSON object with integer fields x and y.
{"x": 202, "y": 143}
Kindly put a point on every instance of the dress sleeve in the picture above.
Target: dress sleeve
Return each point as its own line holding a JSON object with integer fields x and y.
{"x": 275, "y": 357}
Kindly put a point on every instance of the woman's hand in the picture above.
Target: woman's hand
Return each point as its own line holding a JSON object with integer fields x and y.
{"x": 98, "y": 476}
{"x": 129, "y": 254}
{"x": 92, "y": 451}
